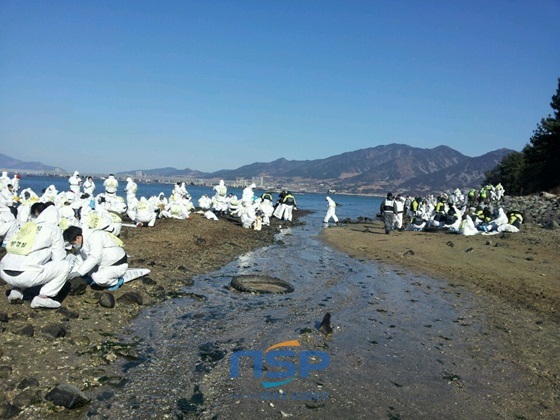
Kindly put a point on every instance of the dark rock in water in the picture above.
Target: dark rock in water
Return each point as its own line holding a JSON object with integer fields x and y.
{"x": 4, "y": 317}
{"x": 131, "y": 298}
{"x": 27, "y": 398}
{"x": 106, "y": 395}
{"x": 114, "y": 381}
{"x": 68, "y": 313}
{"x": 68, "y": 396}
{"x": 326, "y": 326}
{"x": 26, "y": 331}
{"x": 54, "y": 331}
{"x": 191, "y": 405}
{"x": 5, "y": 371}
{"x": 28, "y": 383}
{"x": 78, "y": 286}
{"x": 107, "y": 300}
{"x": 7, "y": 411}
{"x": 148, "y": 281}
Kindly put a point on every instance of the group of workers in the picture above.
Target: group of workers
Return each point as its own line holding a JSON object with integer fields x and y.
{"x": 470, "y": 214}
{"x": 53, "y": 237}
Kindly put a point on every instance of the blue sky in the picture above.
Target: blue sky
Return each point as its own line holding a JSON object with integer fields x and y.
{"x": 104, "y": 86}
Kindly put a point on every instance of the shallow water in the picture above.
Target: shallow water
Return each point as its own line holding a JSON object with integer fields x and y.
{"x": 403, "y": 345}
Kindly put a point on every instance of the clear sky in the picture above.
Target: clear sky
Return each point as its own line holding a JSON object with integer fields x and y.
{"x": 104, "y": 86}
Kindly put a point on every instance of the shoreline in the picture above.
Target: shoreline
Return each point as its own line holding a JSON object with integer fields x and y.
{"x": 521, "y": 268}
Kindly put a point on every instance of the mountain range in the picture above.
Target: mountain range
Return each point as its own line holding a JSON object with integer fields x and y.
{"x": 396, "y": 167}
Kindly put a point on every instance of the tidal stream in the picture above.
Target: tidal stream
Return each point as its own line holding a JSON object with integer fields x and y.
{"x": 403, "y": 345}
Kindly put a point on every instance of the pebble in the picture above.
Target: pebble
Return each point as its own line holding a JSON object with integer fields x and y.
{"x": 54, "y": 331}
{"x": 68, "y": 396}
{"x": 4, "y": 317}
{"x": 7, "y": 411}
{"x": 132, "y": 298}
{"x": 27, "y": 330}
{"x": 5, "y": 371}
{"x": 27, "y": 398}
{"x": 107, "y": 300}
{"x": 28, "y": 383}
{"x": 78, "y": 286}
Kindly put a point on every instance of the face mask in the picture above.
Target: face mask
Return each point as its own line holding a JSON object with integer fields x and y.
{"x": 77, "y": 247}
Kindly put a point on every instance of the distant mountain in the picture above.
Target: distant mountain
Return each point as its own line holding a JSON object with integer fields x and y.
{"x": 395, "y": 167}
{"x": 463, "y": 175}
{"x": 9, "y": 163}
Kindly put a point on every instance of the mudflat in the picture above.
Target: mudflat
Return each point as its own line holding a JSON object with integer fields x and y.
{"x": 521, "y": 268}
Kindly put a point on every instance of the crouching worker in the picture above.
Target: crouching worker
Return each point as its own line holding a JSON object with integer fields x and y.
{"x": 100, "y": 256}
{"x": 36, "y": 257}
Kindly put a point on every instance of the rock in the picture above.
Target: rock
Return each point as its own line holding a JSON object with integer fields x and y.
{"x": 4, "y": 317}
{"x": 5, "y": 371}
{"x": 7, "y": 411}
{"x": 488, "y": 243}
{"x": 148, "y": 281}
{"x": 81, "y": 340}
{"x": 114, "y": 381}
{"x": 107, "y": 300}
{"x": 54, "y": 331}
{"x": 450, "y": 243}
{"x": 27, "y": 330}
{"x": 27, "y": 398}
{"x": 326, "y": 326}
{"x": 68, "y": 313}
{"x": 28, "y": 383}
{"x": 78, "y": 286}
{"x": 469, "y": 250}
{"x": 409, "y": 252}
{"x": 68, "y": 396}
{"x": 131, "y": 298}
{"x": 552, "y": 224}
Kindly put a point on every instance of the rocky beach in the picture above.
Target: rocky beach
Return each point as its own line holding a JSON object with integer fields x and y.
{"x": 498, "y": 354}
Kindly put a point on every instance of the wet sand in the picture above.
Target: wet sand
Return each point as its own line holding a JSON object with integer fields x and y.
{"x": 520, "y": 268}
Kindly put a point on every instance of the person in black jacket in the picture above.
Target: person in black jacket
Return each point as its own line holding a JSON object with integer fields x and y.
{"x": 387, "y": 209}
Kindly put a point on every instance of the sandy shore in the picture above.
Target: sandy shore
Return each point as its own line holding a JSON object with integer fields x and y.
{"x": 521, "y": 268}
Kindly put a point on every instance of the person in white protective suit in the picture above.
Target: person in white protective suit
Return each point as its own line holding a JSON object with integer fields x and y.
{"x": 266, "y": 208}
{"x": 205, "y": 202}
{"x": 15, "y": 182}
{"x": 145, "y": 213}
{"x": 180, "y": 190}
{"x": 111, "y": 185}
{"x": 161, "y": 203}
{"x": 8, "y": 224}
{"x": 331, "y": 211}
{"x": 176, "y": 209}
{"x": 27, "y": 199}
{"x": 100, "y": 256}
{"x": 220, "y": 198}
{"x": 399, "y": 211}
{"x": 248, "y": 195}
{"x": 7, "y": 198}
{"x": 49, "y": 194}
{"x": 467, "y": 227}
{"x": 36, "y": 257}
{"x": 4, "y": 180}
{"x": 75, "y": 182}
{"x": 130, "y": 189}
{"x": 246, "y": 214}
{"x": 89, "y": 186}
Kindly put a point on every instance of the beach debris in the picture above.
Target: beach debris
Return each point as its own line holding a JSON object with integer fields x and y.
{"x": 326, "y": 326}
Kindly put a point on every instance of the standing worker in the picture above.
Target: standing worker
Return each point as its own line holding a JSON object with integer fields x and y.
{"x": 387, "y": 209}
{"x": 330, "y": 211}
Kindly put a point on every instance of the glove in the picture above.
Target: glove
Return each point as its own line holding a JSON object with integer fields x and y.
{"x": 73, "y": 275}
